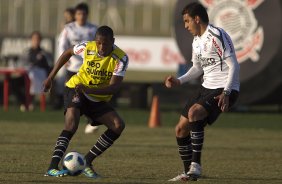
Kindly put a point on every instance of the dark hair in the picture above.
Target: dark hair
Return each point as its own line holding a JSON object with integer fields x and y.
{"x": 196, "y": 9}
{"x": 83, "y": 7}
{"x": 70, "y": 10}
{"x": 36, "y": 33}
{"x": 105, "y": 31}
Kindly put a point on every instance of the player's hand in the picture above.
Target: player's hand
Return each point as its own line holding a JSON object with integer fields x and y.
{"x": 82, "y": 89}
{"x": 171, "y": 81}
{"x": 223, "y": 102}
{"x": 47, "y": 84}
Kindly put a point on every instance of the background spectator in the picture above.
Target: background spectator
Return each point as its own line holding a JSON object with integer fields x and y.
{"x": 35, "y": 60}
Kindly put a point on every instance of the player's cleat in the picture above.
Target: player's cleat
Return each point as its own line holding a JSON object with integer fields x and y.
{"x": 195, "y": 171}
{"x": 90, "y": 172}
{"x": 56, "y": 173}
{"x": 180, "y": 177}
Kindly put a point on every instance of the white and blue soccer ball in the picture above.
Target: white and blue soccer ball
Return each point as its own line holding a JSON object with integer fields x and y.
{"x": 74, "y": 162}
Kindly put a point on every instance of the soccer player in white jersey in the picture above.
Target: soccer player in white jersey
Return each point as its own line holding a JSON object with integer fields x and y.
{"x": 214, "y": 58}
{"x": 76, "y": 32}
{"x": 73, "y": 33}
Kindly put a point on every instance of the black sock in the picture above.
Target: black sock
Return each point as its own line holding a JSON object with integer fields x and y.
{"x": 103, "y": 143}
{"x": 60, "y": 148}
{"x": 197, "y": 138}
{"x": 185, "y": 151}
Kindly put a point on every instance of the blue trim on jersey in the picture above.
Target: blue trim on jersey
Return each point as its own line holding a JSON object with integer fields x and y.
{"x": 83, "y": 43}
{"x": 124, "y": 62}
{"x": 220, "y": 37}
{"x": 121, "y": 60}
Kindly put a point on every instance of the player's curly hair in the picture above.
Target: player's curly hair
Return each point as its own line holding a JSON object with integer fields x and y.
{"x": 105, "y": 31}
{"x": 196, "y": 9}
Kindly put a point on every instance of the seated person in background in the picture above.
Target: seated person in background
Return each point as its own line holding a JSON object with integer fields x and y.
{"x": 35, "y": 60}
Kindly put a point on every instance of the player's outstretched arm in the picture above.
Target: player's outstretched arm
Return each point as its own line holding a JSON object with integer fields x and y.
{"x": 111, "y": 89}
{"x": 61, "y": 61}
{"x": 171, "y": 81}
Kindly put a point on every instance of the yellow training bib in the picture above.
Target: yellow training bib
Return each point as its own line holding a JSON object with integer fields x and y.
{"x": 96, "y": 71}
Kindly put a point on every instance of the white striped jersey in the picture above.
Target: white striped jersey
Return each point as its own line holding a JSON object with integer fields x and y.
{"x": 71, "y": 35}
{"x": 210, "y": 51}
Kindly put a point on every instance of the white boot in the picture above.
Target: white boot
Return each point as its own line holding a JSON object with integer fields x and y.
{"x": 180, "y": 177}
{"x": 195, "y": 170}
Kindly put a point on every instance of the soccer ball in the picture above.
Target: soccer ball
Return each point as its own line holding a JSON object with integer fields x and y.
{"x": 74, "y": 162}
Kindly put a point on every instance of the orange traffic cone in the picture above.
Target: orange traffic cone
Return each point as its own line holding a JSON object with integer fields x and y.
{"x": 155, "y": 120}
{"x": 42, "y": 102}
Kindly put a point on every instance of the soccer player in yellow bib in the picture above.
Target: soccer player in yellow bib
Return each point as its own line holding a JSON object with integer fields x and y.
{"x": 87, "y": 93}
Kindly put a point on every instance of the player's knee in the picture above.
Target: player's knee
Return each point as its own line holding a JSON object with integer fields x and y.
{"x": 180, "y": 130}
{"x": 177, "y": 130}
{"x": 196, "y": 113}
{"x": 119, "y": 126}
{"x": 193, "y": 114}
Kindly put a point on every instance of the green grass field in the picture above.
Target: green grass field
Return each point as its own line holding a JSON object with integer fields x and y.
{"x": 239, "y": 148}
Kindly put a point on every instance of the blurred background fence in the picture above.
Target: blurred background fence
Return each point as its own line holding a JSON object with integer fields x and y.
{"x": 152, "y": 33}
{"x": 127, "y": 17}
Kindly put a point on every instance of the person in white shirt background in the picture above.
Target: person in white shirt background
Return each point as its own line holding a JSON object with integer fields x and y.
{"x": 73, "y": 33}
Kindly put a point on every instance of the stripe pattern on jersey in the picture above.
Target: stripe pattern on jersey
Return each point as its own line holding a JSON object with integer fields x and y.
{"x": 218, "y": 36}
{"x": 222, "y": 43}
{"x": 124, "y": 60}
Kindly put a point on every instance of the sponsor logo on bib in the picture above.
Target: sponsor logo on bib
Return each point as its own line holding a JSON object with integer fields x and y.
{"x": 91, "y": 52}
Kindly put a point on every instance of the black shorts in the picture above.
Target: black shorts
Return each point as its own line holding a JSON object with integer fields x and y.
{"x": 92, "y": 110}
{"x": 205, "y": 97}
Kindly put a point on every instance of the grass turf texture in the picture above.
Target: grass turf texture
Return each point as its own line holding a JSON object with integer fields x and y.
{"x": 239, "y": 148}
